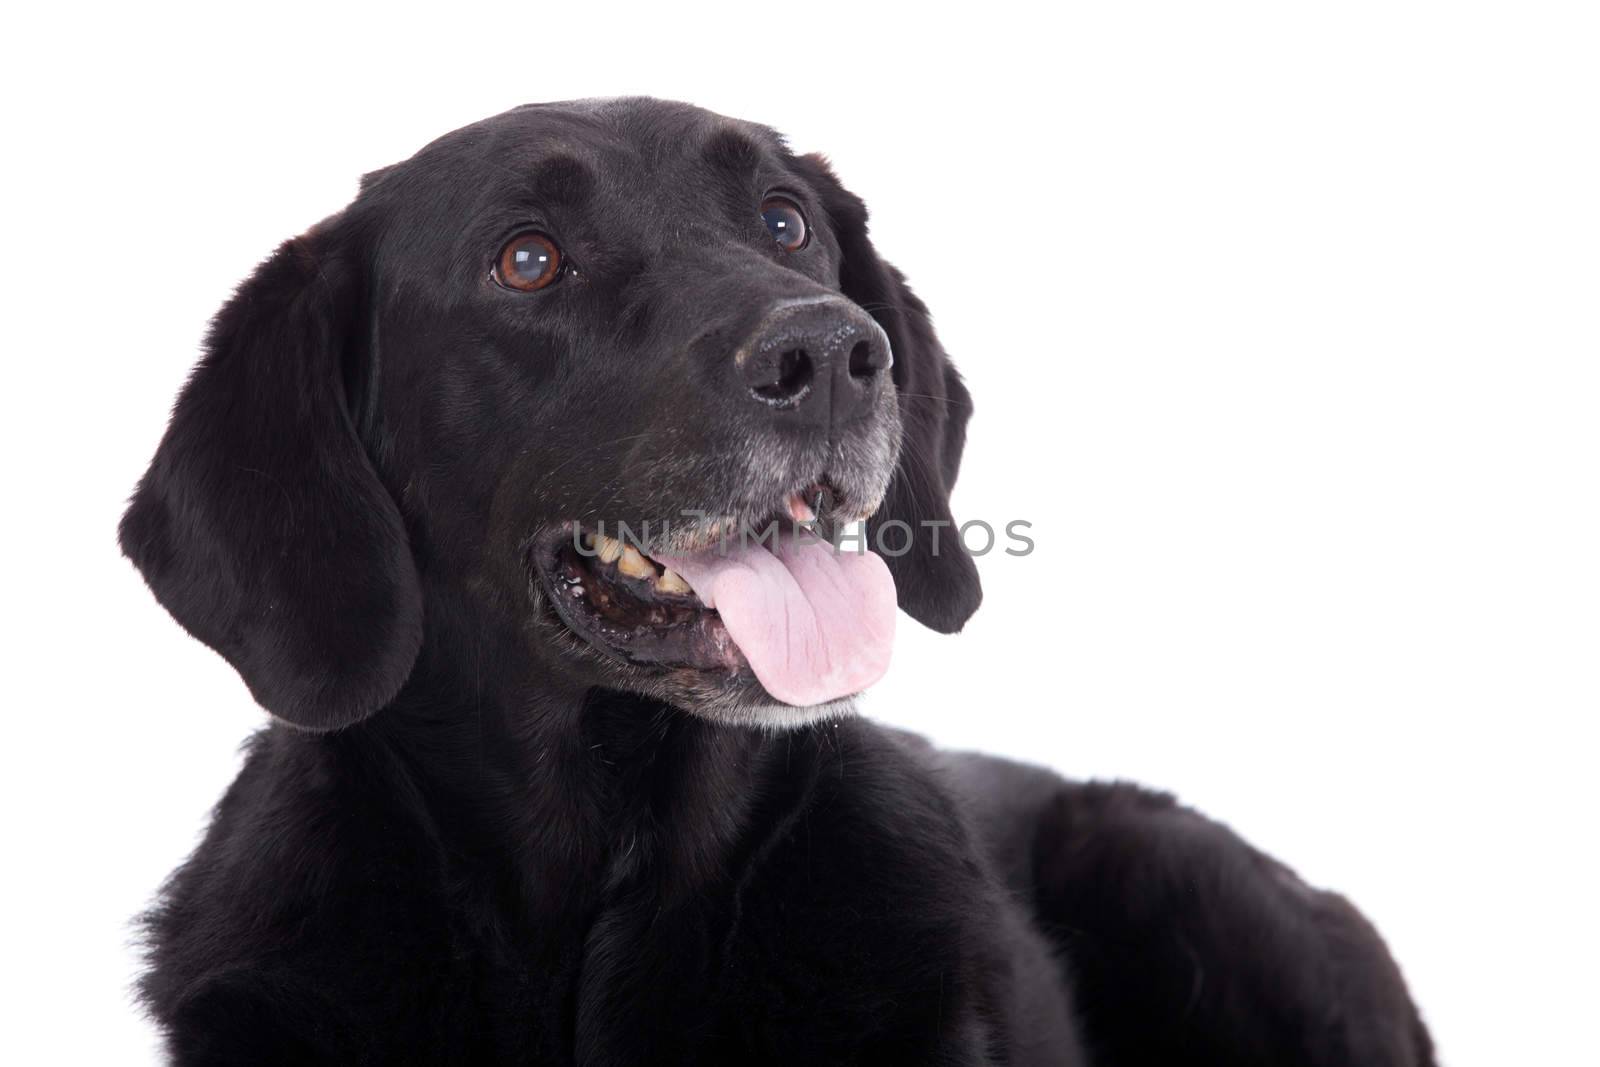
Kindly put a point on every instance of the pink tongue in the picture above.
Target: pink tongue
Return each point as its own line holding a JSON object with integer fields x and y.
{"x": 814, "y": 624}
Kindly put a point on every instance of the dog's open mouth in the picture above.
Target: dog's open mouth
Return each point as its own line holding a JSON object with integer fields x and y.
{"x": 811, "y": 620}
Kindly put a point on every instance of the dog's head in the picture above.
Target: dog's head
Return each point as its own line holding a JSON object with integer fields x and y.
{"x": 558, "y": 368}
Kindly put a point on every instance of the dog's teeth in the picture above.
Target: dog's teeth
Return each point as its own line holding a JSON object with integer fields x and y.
{"x": 608, "y": 549}
{"x": 634, "y": 565}
{"x": 670, "y": 582}
{"x": 799, "y": 510}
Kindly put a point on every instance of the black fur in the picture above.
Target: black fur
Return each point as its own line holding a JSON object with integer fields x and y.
{"x": 471, "y": 839}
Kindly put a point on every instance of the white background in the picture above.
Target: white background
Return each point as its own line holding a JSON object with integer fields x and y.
{"x": 1283, "y": 329}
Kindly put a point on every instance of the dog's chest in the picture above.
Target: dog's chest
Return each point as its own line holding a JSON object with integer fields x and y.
{"x": 808, "y": 957}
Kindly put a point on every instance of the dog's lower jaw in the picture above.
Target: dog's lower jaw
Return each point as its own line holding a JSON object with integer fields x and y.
{"x": 775, "y": 717}
{"x": 737, "y": 701}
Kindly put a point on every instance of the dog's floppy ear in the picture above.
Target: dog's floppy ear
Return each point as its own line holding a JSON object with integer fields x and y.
{"x": 261, "y": 524}
{"x": 937, "y": 581}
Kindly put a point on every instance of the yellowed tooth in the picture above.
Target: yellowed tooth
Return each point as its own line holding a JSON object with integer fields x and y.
{"x": 670, "y": 582}
{"x": 799, "y": 509}
{"x": 608, "y": 549}
{"x": 634, "y": 565}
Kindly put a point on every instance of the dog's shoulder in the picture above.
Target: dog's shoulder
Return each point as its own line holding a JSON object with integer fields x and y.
{"x": 309, "y": 901}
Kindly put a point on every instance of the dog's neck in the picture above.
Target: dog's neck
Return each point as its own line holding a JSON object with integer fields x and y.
{"x": 546, "y": 774}
{"x": 568, "y": 791}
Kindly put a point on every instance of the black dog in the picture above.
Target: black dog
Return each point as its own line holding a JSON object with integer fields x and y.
{"x": 513, "y": 808}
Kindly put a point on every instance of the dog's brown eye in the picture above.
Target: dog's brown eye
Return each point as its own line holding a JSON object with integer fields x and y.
{"x": 784, "y": 222}
{"x": 529, "y": 261}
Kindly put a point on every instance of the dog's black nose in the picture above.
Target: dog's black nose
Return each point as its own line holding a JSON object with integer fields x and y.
{"x": 822, "y": 359}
